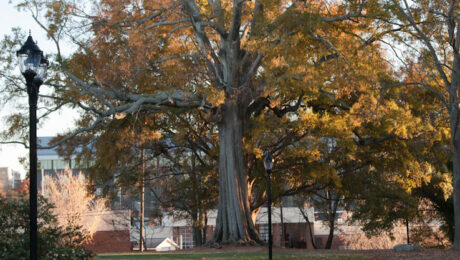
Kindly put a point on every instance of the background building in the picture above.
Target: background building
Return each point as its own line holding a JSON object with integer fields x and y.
{"x": 9, "y": 179}
{"x": 50, "y": 163}
{"x": 289, "y": 227}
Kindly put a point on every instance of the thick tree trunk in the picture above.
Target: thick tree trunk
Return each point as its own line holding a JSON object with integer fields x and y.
{"x": 197, "y": 236}
{"x": 456, "y": 192}
{"x": 455, "y": 132}
{"x": 234, "y": 223}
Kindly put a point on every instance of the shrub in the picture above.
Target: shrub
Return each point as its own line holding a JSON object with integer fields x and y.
{"x": 54, "y": 242}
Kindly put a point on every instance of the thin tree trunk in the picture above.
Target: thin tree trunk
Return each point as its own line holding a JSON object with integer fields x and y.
{"x": 331, "y": 235}
{"x": 305, "y": 216}
{"x": 407, "y": 230}
{"x": 205, "y": 228}
{"x": 283, "y": 232}
{"x": 234, "y": 223}
{"x": 332, "y": 216}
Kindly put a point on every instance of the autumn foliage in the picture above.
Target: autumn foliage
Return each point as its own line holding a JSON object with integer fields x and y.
{"x": 335, "y": 90}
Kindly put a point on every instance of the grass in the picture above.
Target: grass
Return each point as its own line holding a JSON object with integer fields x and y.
{"x": 222, "y": 256}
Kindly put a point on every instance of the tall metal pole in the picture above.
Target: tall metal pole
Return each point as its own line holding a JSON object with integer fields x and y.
{"x": 141, "y": 226}
{"x": 32, "y": 90}
{"x": 269, "y": 207}
{"x": 33, "y": 66}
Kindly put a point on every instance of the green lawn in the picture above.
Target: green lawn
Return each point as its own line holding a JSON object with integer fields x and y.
{"x": 221, "y": 256}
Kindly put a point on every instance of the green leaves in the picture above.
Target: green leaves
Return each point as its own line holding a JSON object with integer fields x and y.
{"x": 54, "y": 242}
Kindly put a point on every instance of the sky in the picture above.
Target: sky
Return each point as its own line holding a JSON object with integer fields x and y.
{"x": 10, "y": 154}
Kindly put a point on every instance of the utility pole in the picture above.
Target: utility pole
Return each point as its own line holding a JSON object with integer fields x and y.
{"x": 141, "y": 230}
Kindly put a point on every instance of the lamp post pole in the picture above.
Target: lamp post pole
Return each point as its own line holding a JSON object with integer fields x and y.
{"x": 33, "y": 67}
{"x": 268, "y": 165}
{"x": 141, "y": 210}
{"x": 32, "y": 90}
{"x": 269, "y": 207}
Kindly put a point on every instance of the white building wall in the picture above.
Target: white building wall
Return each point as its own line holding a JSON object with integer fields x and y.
{"x": 290, "y": 215}
{"x": 110, "y": 220}
{"x": 7, "y": 178}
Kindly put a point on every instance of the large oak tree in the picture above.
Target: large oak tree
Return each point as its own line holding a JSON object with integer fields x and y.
{"x": 274, "y": 76}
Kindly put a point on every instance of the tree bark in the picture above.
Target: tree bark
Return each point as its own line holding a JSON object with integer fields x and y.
{"x": 456, "y": 192}
{"x": 407, "y": 231}
{"x": 205, "y": 227}
{"x": 305, "y": 216}
{"x": 197, "y": 236}
{"x": 234, "y": 223}
{"x": 283, "y": 231}
{"x": 331, "y": 235}
{"x": 455, "y": 133}
{"x": 333, "y": 206}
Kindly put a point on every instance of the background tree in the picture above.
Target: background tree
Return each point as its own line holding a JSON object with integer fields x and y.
{"x": 189, "y": 185}
{"x": 439, "y": 194}
{"x": 73, "y": 205}
{"x": 426, "y": 51}
{"x": 180, "y": 165}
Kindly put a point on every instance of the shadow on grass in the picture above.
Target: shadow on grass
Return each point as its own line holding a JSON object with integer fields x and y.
{"x": 231, "y": 256}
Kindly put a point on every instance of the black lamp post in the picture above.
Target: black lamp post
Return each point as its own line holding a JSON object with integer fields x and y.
{"x": 268, "y": 164}
{"x": 33, "y": 67}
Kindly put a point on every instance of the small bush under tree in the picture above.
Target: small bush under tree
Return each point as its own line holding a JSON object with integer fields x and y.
{"x": 54, "y": 242}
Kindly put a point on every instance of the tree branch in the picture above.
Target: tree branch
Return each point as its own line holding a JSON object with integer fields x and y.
{"x": 356, "y": 14}
{"x": 425, "y": 40}
{"x": 288, "y": 108}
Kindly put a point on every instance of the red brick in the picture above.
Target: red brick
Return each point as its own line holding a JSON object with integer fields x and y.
{"x": 110, "y": 242}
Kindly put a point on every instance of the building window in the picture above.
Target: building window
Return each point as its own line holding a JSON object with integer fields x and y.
{"x": 60, "y": 164}
{"x": 263, "y": 232}
{"x": 187, "y": 237}
{"x": 46, "y": 164}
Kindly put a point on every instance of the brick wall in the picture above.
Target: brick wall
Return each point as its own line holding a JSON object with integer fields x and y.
{"x": 321, "y": 240}
{"x": 110, "y": 241}
{"x": 297, "y": 235}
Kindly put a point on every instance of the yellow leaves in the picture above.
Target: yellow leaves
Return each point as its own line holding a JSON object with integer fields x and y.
{"x": 387, "y": 115}
{"x": 147, "y": 136}
{"x": 258, "y": 152}
{"x": 445, "y": 183}
{"x": 216, "y": 97}
{"x": 205, "y": 7}
{"x": 279, "y": 61}
{"x": 414, "y": 174}
{"x": 365, "y": 110}
{"x": 307, "y": 115}
{"x": 442, "y": 134}
{"x": 400, "y": 120}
